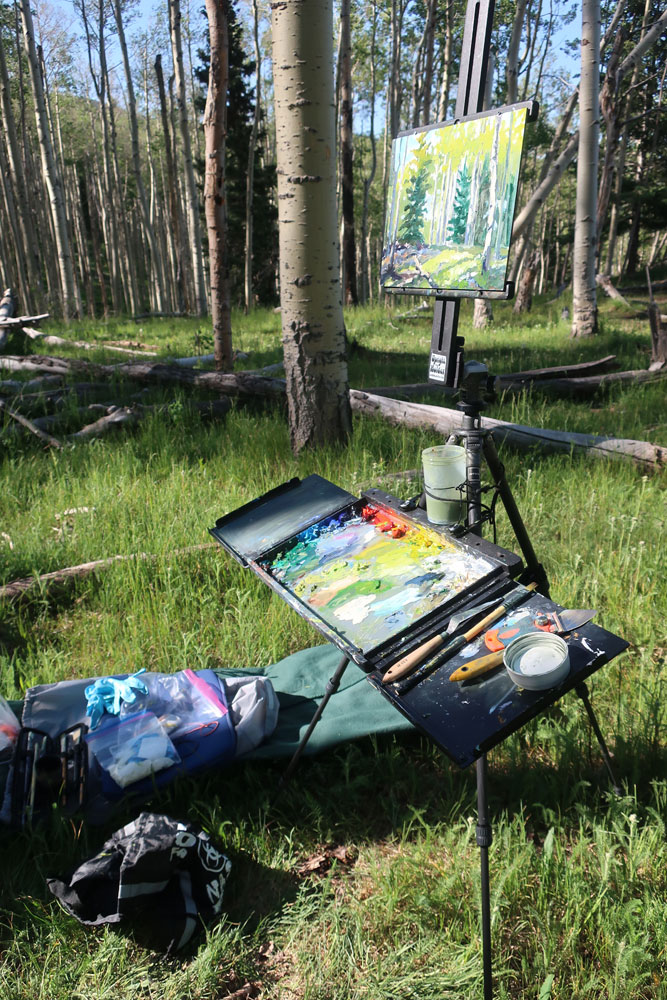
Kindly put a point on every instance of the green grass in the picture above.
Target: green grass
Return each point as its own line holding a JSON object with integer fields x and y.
{"x": 577, "y": 876}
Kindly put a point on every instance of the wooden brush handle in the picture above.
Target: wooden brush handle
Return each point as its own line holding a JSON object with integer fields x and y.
{"x": 479, "y": 666}
{"x": 410, "y": 660}
{"x": 492, "y": 616}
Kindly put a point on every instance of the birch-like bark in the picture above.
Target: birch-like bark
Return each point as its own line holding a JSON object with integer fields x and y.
{"x": 18, "y": 182}
{"x": 443, "y": 97}
{"x": 584, "y": 291}
{"x": 512, "y": 68}
{"x": 156, "y": 276}
{"x": 368, "y": 180}
{"x": 252, "y": 144}
{"x": 51, "y": 176}
{"x": 346, "y": 158}
{"x": 126, "y": 255}
{"x": 310, "y": 291}
{"x": 553, "y": 170}
{"x": 215, "y": 194}
{"x": 176, "y": 229}
{"x": 622, "y": 151}
{"x": 610, "y": 110}
{"x": 19, "y": 275}
{"x": 194, "y": 228}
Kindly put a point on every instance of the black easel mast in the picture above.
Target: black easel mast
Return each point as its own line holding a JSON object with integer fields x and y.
{"x": 469, "y": 99}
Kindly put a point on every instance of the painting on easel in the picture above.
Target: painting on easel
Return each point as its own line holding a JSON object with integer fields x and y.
{"x": 452, "y": 197}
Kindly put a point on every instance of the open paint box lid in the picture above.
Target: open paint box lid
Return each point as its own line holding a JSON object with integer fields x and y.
{"x": 537, "y": 660}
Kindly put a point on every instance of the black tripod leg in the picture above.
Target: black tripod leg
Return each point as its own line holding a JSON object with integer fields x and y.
{"x": 582, "y": 691}
{"x": 484, "y": 837}
{"x": 497, "y": 470}
{"x": 331, "y": 688}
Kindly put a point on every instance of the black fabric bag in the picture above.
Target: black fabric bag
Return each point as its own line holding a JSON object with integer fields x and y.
{"x": 161, "y": 877}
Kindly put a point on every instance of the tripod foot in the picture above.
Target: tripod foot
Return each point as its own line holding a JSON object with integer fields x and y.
{"x": 582, "y": 691}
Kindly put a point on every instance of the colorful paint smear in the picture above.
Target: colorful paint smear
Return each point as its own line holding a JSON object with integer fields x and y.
{"x": 369, "y": 575}
{"x": 453, "y": 191}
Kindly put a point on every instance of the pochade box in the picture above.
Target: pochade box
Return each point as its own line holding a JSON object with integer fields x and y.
{"x": 374, "y": 579}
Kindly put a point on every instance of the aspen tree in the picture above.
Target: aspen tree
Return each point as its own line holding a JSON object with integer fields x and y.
{"x": 346, "y": 157}
{"x": 194, "y": 229}
{"x": 215, "y": 195}
{"x": 310, "y": 289}
{"x": 584, "y": 293}
{"x": 50, "y": 170}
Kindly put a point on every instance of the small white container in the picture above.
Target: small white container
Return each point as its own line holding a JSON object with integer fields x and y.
{"x": 537, "y": 660}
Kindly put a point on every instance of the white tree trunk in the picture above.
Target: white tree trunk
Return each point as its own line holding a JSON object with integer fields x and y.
{"x": 584, "y": 297}
{"x": 215, "y": 192}
{"x": 252, "y": 148}
{"x": 310, "y": 289}
{"x": 49, "y": 166}
{"x": 156, "y": 277}
{"x": 193, "y": 200}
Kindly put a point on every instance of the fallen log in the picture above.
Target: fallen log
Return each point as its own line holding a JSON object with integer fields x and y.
{"x": 658, "y": 286}
{"x": 39, "y": 403}
{"x": 563, "y": 371}
{"x": 38, "y": 363}
{"x": 445, "y": 421}
{"x": 151, "y": 373}
{"x": 582, "y": 388}
{"x": 204, "y": 359}
{"x": 19, "y": 588}
{"x": 114, "y": 416}
{"x": 129, "y": 416}
{"x": 55, "y": 341}
{"x": 12, "y": 386}
{"x": 501, "y": 381}
{"x": 604, "y": 281}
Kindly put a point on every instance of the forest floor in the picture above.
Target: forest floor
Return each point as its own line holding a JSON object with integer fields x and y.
{"x": 362, "y": 879}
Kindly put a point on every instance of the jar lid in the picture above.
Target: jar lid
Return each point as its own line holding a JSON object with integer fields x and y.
{"x": 537, "y": 660}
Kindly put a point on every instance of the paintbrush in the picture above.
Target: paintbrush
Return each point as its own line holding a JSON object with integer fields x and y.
{"x": 408, "y": 663}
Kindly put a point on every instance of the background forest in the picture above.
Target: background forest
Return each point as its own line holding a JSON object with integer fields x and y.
{"x": 101, "y": 152}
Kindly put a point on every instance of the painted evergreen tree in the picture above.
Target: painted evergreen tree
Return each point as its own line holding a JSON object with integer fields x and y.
{"x": 457, "y": 223}
{"x": 412, "y": 224}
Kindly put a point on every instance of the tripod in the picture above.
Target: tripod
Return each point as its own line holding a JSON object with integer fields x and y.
{"x": 475, "y": 385}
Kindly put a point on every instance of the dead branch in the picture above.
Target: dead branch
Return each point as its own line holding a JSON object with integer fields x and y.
{"x": 129, "y": 416}
{"x": 30, "y": 426}
{"x": 151, "y": 373}
{"x": 18, "y": 588}
{"x": 114, "y": 416}
{"x": 12, "y": 387}
{"x": 580, "y": 388}
{"x": 604, "y": 281}
{"x": 39, "y": 403}
{"x": 412, "y": 414}
{"x": 54, "y": 341}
